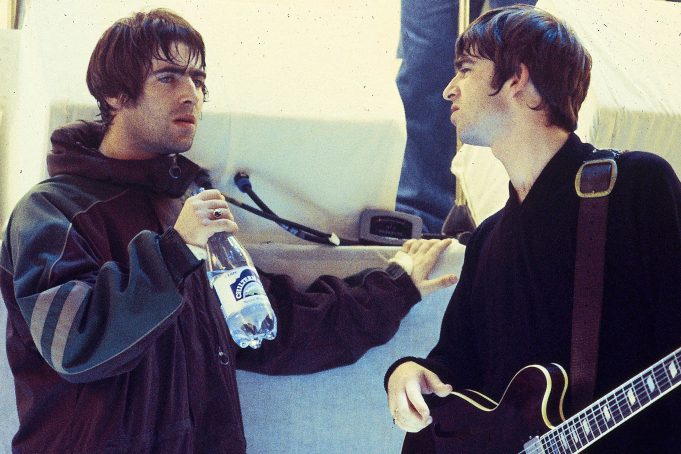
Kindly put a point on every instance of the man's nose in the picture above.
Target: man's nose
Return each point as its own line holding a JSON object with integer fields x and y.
{"x": 450, "y": 90}
{"x": 190, "y": 92}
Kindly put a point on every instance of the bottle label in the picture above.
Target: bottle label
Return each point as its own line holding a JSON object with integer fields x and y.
{"x": 238, "y": 287}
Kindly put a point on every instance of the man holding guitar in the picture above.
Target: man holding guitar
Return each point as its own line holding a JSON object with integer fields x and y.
{"x": 521, "y": 78}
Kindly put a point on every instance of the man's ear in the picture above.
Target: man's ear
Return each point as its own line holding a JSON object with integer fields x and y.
{"x": 520, "y": 81}
{"x": 116, "y": 102}
{"x": 522, "y": 89}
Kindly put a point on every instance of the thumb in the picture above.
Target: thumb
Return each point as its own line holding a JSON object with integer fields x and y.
{"x": 443, "y": 390}
{"x": 430, "y": 285}
{"x": 436, "y": 386}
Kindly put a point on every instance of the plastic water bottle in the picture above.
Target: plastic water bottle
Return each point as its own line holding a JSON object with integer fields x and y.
{"x": 245, "y": 305}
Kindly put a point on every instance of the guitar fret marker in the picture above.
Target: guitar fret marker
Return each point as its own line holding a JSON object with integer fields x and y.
{"x": 575, "y": 438}
{"x": 631, "y": 396}
{"x": 606, "y": 411}
{"x": 651, "y": 383}
{"x": 595, "y": 421}
{"x": 564, "y": 441}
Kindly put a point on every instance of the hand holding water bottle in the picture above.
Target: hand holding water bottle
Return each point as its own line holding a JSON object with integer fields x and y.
{"x": 205, "y": 221}
{"x": 203, "y": 215}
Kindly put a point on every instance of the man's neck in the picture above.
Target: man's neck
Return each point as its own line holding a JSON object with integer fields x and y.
{"x": 116, "y": 144}
{"x": 525, "y": 153}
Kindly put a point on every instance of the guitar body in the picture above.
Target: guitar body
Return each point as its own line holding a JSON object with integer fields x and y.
{"x": 469, "y": 422}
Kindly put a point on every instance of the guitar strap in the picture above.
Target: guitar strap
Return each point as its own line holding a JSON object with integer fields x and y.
{"x": 594, "y": 181}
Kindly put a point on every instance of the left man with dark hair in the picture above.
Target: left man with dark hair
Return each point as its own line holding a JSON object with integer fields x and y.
{"x": 115, "y": 339}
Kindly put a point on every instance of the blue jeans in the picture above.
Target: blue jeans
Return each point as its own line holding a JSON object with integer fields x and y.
{"x": 429, "y": 29}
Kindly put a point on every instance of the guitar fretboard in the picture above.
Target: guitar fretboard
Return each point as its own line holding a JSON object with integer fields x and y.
{"x": 587, "y": 426}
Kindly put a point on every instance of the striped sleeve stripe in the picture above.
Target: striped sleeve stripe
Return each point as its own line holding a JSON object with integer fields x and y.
{"x": 49, "y": 301}
{"x": 39, "y": 314}
{"x": 68, "y": 313}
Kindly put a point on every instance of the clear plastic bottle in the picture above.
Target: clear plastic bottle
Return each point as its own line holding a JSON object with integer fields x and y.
{"x": 245, "y": 305}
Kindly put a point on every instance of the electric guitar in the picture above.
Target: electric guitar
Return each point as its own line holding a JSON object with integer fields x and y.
{"x": 470, "y": 422}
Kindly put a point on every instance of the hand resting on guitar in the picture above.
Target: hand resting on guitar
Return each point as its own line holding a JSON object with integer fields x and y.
{"x": 406, "y": 387}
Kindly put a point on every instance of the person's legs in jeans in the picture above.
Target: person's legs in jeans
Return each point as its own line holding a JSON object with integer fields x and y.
{"x": 428, "y": 34}
{"x": 429, "y": 29}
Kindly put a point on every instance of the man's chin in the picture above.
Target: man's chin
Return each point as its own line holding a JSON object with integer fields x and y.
{"x": 175, "y": 148}
{"x": 472, "y": 139}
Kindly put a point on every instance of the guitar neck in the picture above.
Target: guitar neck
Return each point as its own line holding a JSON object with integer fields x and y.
{"x": 616, "y": 407}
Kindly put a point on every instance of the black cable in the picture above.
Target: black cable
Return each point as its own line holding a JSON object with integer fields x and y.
{"x": 258, "y": 201}
{"x": 320, "y": 237}
{"x": 243, "y": 182}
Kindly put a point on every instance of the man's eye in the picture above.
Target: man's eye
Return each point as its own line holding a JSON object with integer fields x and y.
{"x": 199, "y": 83}
{"x": 166, "y": 79}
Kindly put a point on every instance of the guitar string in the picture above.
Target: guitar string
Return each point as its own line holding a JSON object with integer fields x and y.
{"x": 552, "y": 439}
{"x": 594, "y": 413}
{"x": 595, "y": 420}
{"x": 638, "y": 384}
{"x": 554, "y": 443}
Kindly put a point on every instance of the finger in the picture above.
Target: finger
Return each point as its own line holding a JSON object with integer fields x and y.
{"x": 413, "y": 425}
{"x": 210, "y": 194}
{"x": 422, "y": 247}
{"x": 431, "y": 285}
{"x": 420, "y": 409}
{"x": 405, "y": 417}
{"x": 216, "y": 203}
{"x": 224, "y": 225}
{"x": 415, "y": 246}
{"x": 407, "y": 245}
{"x": 220, "y": 213}
{"x": 403, "y": 410}
{"x": 433, "y": 248}
{"x": 441, "y": 389}
{"x": 399, "y": 408}
{"x": 427, "y": 257}
{"x": 441, "y": 245}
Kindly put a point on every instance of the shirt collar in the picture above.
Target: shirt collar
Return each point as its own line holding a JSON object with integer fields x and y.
{"x": 559, "y": 171}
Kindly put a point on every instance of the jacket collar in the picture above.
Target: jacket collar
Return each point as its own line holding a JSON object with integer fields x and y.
{"x": 75, "y": 152}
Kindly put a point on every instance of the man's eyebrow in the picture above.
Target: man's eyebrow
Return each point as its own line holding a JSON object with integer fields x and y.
{"x": 180, "y": 70}
{"x": 460, "y": 61}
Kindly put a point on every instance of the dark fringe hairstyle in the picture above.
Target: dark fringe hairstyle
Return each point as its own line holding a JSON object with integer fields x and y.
{"x": 559, "y": 66}
{"x": 122, "y": 58}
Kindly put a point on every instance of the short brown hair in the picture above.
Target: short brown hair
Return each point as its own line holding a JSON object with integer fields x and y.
{"x": 559, "y": 66}
{"x": 122, "y": 58}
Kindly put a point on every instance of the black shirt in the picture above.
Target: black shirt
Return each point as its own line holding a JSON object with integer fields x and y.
{"x": 513, "y": 304}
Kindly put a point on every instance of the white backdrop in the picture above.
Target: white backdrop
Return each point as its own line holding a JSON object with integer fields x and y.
{"x": 633, "y": 103}
{"x": 297, "y": 89}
